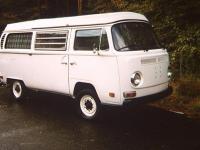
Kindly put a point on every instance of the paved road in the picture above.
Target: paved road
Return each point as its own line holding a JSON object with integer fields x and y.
{"x": 50, "y": 122}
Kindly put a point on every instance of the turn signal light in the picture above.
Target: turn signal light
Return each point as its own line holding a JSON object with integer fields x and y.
{"x": 112, "y": 94}
{"x": 129, "y": 94}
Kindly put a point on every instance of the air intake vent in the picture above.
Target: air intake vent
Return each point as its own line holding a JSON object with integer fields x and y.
{"x": 2, "y": 41}
{"x": 148, "y": 60}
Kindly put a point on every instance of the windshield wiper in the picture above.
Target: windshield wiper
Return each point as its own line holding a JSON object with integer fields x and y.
{"x": 128, "y": 46}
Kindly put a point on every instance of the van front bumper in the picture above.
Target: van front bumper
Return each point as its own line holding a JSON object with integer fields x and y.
{"x": 149, "y": 98}
{"x": 1, "y": 81}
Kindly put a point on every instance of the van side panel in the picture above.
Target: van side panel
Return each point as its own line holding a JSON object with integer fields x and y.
{"x": 49, "y": 73}
{"x": 16, "y": 66}
{"x": 43, "y": 72}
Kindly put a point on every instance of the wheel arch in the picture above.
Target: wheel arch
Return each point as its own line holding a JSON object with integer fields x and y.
{"x": 83, "y": 85}
{"x": 11, "y": 80}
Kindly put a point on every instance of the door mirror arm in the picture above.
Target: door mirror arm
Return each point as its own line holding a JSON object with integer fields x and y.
{"x": 96, "y": 51}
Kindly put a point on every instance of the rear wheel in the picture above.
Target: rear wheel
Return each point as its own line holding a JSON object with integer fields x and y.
{"x": 88, "y": 104}
{"x": 18, "y": 90}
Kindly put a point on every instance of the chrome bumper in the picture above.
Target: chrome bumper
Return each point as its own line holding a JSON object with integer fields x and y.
{"x": 150, "y": 98}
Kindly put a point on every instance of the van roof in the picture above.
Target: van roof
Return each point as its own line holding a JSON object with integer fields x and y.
{"x": 104, "y": 18}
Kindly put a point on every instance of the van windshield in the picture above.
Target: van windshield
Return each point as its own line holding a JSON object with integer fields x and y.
{"x": 134, "y": 36}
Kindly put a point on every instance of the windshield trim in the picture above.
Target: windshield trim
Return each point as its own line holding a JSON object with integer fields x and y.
{"x": 135, "y": 21}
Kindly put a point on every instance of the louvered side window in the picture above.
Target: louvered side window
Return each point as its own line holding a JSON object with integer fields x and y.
{"x": 51, "y": 41}
{"x": 2, "y": 41}
{"x": 18, "y": 41}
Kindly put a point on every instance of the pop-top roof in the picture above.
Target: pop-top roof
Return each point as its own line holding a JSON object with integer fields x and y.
{"x": 76, "y": 21}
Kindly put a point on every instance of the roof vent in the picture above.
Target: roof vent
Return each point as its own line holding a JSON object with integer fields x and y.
{"x": 2, "y": 41}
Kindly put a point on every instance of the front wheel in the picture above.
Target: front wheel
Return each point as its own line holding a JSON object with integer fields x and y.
{"x": 18, "y": 90}
{"x": 89, "y": 104}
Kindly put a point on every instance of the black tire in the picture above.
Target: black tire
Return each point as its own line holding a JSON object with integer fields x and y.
{"x": 88, "y": 104}
{"x": 18, "y": 90}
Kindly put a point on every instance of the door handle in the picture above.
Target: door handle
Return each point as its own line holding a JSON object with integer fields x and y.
{"x": 73, "y": 63}
{"x": 64, "y": 60}
{"x": 65, "y": 63}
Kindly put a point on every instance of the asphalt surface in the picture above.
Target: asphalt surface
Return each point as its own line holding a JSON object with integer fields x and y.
{"x": 49, "y": 122}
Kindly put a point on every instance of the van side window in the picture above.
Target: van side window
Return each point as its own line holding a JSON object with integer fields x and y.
{"x": 91, "y": 39}
{"x": 18, "y": 41}
{"x": 87, "y": 40}
{"x": 53, "y": 41}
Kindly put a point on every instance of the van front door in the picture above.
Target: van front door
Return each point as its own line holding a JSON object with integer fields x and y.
{"x": 91, "y": 61}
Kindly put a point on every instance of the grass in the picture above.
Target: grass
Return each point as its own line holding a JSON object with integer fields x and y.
{"x": 196, "y": 105}
{"x": 185, "y": 98}
{"x": 189, "y": 88}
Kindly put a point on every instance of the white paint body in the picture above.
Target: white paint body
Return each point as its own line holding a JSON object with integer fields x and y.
{"x": 108, "y": 71}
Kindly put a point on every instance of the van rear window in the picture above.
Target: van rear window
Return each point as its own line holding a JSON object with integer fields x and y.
{"x": 51, "y": 41}
{"x": 19, "y": 41}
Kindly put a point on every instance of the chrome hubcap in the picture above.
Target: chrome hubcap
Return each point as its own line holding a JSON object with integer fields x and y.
{"x": 17, "y": 89}
{"x": 88, "y": 105}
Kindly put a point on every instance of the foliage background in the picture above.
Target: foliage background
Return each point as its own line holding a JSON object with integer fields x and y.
{"x": 176, "y": 22}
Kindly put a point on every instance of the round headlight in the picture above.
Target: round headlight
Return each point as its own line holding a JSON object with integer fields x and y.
{"x": 136, "y": 79}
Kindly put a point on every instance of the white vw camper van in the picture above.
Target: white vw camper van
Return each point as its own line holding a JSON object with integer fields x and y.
{"x": 109, "y": 58}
